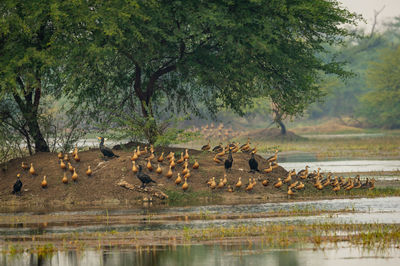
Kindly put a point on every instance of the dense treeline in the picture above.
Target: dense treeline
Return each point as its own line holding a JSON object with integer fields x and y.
{"x": 130, "y": 64}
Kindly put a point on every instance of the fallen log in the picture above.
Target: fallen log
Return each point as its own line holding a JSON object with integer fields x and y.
{"x": 149, "y": 190}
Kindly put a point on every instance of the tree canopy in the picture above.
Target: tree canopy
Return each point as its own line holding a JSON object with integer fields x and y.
{"x": 151, "y": 57}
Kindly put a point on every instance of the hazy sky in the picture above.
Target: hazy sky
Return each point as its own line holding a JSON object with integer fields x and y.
{"x": 367, "y": 7}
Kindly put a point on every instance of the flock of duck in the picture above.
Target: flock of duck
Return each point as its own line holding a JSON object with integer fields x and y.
{"x": 292, "y": 182}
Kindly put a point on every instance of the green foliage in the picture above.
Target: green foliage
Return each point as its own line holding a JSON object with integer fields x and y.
{"x": 381, "y": 106}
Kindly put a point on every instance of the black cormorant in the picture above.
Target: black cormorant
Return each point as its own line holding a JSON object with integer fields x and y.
{"x": 253, "y": 164}
{"x": 107, "y": 152}
{"x": 17, "y": 186}
{"x": 145, "y": 179}
{"x": 229, "y": 161}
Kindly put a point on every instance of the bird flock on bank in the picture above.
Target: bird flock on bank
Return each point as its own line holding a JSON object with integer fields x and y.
{"x": 180, "y": 168}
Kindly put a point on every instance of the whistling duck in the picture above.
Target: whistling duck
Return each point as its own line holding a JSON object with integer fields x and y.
{"x": 187, "y": 175}
{"x": 178, "y": 180}
{"x": 250, "y": 186}
{"x": 32, "y": 170}
{"x": 158, "y": 170}
{"x": 366, "y": 184}
{"x": 288, "y": 178}
{"x": 65, "y": 179}
{"x": 60, "y": 155}
{"x": 17, "y": 185}
{"x": 239, "y": 183}
{"x": 172, "y": 164}
{"x": 25, "y": 166}
{"x": 145, "y": 179}
{"x": 143, "y": 152}
{"x": 151, "y": 157}
{"x": 303, "y": 173}
{"x": 76, "y": 157}
{"x": 161, "y": 158}
{"x": 134, "y": 157}
{"x": 185, "y": 170}
{"x": 218, "y": 148}
{"x": 350, "y": 186}
{"x": 300, "y": 186}
{"x": 221, "y": 183}
{"x": 222, "y": 153}
{"x": 185, "y": 185}
{"x": 75, "y": 152}
{"x": 290, "y": 192}
{"x": 44, "y": 182}
{"x": 151, "y": 148}
{"x": 245, "y": 146}
{"x": 180, "y": 160}
{"x": 229, "y": 161}
{"x": 335, "y": 182}
{"x": 149, "y": 166}
{"x": 169, "y": 173}
{"x": 273, "y": 157}
{"x": 336, "y": 188}
{"x": 62, "y": 165}
{"x": 196, "y": 165}
{"x": 230, "y": 189}
{"x": 169, "y": 156}
{"x": 172, "y": 158}
{"x": 265, "y": 182}
{"x": 186, "y": 156}
{"x": 74, "y": 176}
{"x": 134, "y": 167}
{"x": 314, "y": 175}
{"x": 217, "y": 160}
{"x": 294, "y": 184}
{"x": 107, "y": 152}
{"x": 253, "y": 164}
{"x": 274, "y": 165}
{"x": 89, "y": 171}
{"x": 254, "y": 181}
{"x": 269, "y": 169}
{"x": 279, "y": 183}
{"x": 206, "y": 147}
{"x": 372, "y": 184}
{"x": 186, "y": 163}
{"x": 254, "y": 150}
{"x": 66, "y": 157}
{"x": 357, "y": 183}
{"x": 236, "y": 148}
{"x": 70, "y": 167}
{"x": 225, "y": 180}
{"x": 327, "y": 181}
{"x": 213, "y": 183}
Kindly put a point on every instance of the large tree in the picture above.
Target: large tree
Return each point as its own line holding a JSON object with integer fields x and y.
{"x": 219, "y": 53}
{"x": 26, "y": 60}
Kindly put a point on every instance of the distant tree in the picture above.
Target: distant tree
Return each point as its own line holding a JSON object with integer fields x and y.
{"x": 381, "y": 106}
{"x": 144, "y": 56}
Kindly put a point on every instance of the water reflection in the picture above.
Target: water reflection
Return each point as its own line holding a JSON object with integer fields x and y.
{"x": 208, "y": 255}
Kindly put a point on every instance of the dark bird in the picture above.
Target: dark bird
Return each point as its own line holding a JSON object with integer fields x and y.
{"x": 229, "y": 161}
{"x": 17, "y": 186}
{"x": 218, "y": 148}
{"x": 145, "y": 179}
{"x": 253, "y": 164}
{"x": 107, "y": 152}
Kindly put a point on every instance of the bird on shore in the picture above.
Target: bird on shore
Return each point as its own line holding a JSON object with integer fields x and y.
{"x": 74, "y": 176}
{"x": 107, "y": 152}
{"x": 253, "y": 164}
{"x": 269, "y": 169}
{"x": 161, "y": 158}
{"x": 196, "y": 165}
{"x": 145, "y": 179}
{"x": 65, "y": 179}
{"x": 185, "y": 185}
{"x": 303, "y": 173}
{"x": 89, "y": 171}
{"x": 17, "y": 185}
{"x": 158, "y": 170}
{"x": 24, "y": 166}
{"x": 62, "y": 164}
{"x": 218, "y": 148}
{"x": 32, "y": 170}
{"x": 229, "y": 161}
{"x": 239, "y": 183}
{"x": 169, "y": 173}
{"x": 206, "y": 147}
{"x": 44, "y": 182}
{"x": 273, "y": 157}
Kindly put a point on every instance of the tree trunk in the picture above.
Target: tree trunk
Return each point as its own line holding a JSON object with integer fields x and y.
{"x": 282, "y": 126}
{"x": 34, "y": 131}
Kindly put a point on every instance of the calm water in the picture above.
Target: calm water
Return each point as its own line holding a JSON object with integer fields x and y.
{"x": 210, "y": 255}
